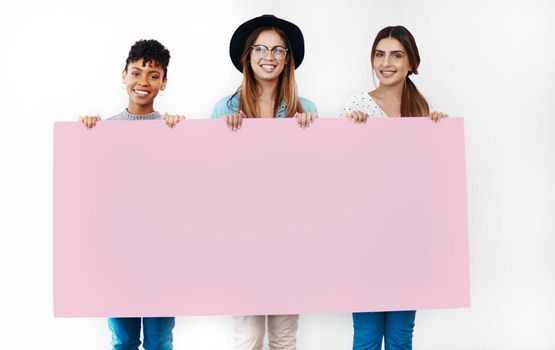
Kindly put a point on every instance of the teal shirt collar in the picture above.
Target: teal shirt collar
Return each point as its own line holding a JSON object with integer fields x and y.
{"x": 281, "y": 113}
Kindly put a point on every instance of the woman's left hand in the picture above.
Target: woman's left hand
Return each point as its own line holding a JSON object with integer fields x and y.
{"x": 437, "y": 116}
{"x": 305, "y": 119}
{"x": 172, "y": 119}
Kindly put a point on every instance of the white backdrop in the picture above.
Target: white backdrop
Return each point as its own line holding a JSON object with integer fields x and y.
{"x": 489, "y": 62}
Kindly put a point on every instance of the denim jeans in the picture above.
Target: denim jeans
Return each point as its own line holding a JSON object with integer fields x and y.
{"x": 157, "y": 331}
{"x": 395, "y": 327}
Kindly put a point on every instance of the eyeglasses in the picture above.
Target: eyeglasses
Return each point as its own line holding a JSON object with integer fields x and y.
{"x": 278, "y": 52}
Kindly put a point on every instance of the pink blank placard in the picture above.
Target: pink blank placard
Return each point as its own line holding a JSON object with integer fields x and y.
{"x": 272, "y": 219}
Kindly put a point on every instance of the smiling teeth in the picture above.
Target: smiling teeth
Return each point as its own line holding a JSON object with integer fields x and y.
{"x": 268, "y": 67}
{"x": 143, "y": 93}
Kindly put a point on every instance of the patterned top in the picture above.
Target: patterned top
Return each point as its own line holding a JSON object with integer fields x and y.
{"x": 364, "y": 103}
{"x": 125, "y": 115}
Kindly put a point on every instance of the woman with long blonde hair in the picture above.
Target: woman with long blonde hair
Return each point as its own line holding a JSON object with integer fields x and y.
{"x": 267, "y": 50}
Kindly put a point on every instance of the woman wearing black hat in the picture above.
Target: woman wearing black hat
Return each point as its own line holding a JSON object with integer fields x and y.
{"x": 266, "y": 50}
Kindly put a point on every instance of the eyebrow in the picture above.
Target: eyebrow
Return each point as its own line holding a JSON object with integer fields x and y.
{"x": 394, "y": 51}
{"x": 148, "y": 71}
{"x": 268, "y": 47}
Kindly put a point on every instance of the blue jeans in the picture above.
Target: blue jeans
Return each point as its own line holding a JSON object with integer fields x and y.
{"x": 395, "y": 326}
{"x": 126, "y": 333}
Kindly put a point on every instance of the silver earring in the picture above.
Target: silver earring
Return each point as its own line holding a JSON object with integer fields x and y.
{"x": 123, "y": 86}
{"x": 161, "y": 93}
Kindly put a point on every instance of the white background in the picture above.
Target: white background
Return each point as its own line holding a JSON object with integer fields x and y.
{"x": 490, "y": 62}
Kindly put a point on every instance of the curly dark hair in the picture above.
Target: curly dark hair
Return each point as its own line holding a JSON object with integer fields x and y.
{"x": 150, "y": 51}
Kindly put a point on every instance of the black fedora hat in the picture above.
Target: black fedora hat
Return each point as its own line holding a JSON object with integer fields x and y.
{"x": 241, "y": 34}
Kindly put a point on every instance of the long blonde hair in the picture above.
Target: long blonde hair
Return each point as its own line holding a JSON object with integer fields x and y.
{"x": 286, "y": 87}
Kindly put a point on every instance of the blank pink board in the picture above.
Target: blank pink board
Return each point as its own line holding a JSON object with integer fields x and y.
{"x": 272, "y": 219}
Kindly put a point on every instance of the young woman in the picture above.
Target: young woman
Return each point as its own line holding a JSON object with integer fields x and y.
{"x": 266, "y": 50}
{"x": 394, "y": 58}
{"x": 144, "y": 76}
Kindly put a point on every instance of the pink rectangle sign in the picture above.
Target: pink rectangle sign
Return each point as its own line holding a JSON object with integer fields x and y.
{"x": 272, "y": 219}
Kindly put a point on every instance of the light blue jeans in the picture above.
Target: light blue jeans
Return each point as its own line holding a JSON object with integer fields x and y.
{"x": 395, "y": 327}
{"x": 126, "y": 333}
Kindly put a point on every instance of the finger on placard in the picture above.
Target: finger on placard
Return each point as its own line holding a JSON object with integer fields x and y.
{"x": 297, "y": 116}
{"x": 240, "y": 120}
{"x": 360, "y": 117}
{"x": 82, "y": 120}
{"x": 231, "y": 117}
{"x": 312, "y": 117}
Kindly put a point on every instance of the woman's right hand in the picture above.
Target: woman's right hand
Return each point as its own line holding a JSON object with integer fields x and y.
{"x": 234, "y": 121}
{"x": 358, "y": 117}
{"x": 89, "y": 121}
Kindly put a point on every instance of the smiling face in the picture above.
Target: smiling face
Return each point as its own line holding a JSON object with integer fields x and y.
{"x": 143, "y": 84}
{"x": 390, "y": 62}
{"x": 267, "y": 67}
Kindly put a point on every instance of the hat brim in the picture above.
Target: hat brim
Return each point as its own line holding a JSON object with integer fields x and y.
{"x": 294, "y": 34}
